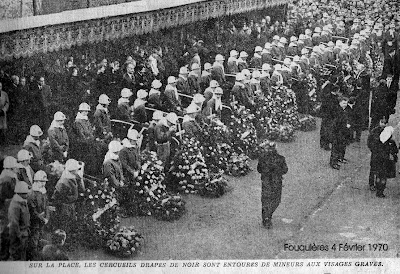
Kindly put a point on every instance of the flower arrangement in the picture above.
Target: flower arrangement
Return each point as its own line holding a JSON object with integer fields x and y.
{"x": 238, "y": 164}
{"x": 307, "y": 122}
{"x": 125, "y": 243}
{"x": 215, "y": 141}
{"x": 188, "y": 172}
{"x": 315, "y": 104}
{"x": 215, "y": 187}
{"x": 277, "y": 114}
{"x": 97, "y": 215}
{"x": 148, "y": 186}
{"x": 169, "y": 207}
{"x": 243, "y": 131}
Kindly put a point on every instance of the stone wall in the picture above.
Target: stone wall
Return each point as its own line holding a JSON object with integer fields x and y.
{"x": 15, "y": 8}
{"x": 23, "y": 8}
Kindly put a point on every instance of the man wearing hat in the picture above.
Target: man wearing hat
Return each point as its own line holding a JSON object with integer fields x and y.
{"x": 239, "y": 90}
{"x": 124, "y": 108}
{"x": 194, "y": 79}
{"x": 102, "y": 121}
{"x": 33, "y": 145}
{"x": 232, "y": 65}
{"x": 199, "y": 101}
{"x": 82, "y": 126}
{"x": 214, "y": 105}
{"x": 266, "y": 54}
{"x": 189, "y": 124}
{"x": 139, "y": 107}
{"x": 217, "y": 70}
{"x": 19, "y": 222}
{"x": 65, "y": 196}
{"x": 59, "y": 141}
{"x": 8, "y": 180}
{"x": 272, "y": 167}
{"x": 205, "y": 78}
{"x": 154, "y": 99}
{"x": 164, "y": 131}
{"x": 39, "y": 212}
{"x": 25, "y": 172}
{"x": 256, "y": 60}
{"x": 242, "y": 61}
{"x": 292, "y": 49}
{"x": 112, "y": 169}
{"x": 85, "y": 146}
{"x": 129, "y": 155}
{"x": 172, "y": 101}
{"x": 151, "y": 137}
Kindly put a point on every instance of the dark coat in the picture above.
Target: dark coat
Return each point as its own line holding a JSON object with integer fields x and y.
{"x": 340, "y": 130}
{"x": 18, "y": 223}
{"x": 37, "y": 204}
{"x": 375, "y": 146}
{"x": 102, "y": 123}
{"x": 59, "y": 142}
{"x": 83, "y": 130}
{"x": 129, "y": 82}
{"x": 130, "y": 161}
{"x": 112, "y": 171}
{"x": 272, "y": 166}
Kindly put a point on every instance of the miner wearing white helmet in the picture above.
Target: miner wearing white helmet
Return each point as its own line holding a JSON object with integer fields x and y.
{"x": 39, "y": 209}
{"x": 255, "y": 83}
{"x": 102, "y": 120}
{"x": 151, "y": 141}
{"x": 18, "y": 222}
{"x": 59, "y": 141}
{"x": 112, "y": 169}
{"x": 139, "y": 107}
{"x": 209, "y": 92}
{"x": 266, "y": 55}
{"x": 205, "y": 77}
{"x": 189, "y": 124}
{"x": 214, "y": 105}
{"x": 232, "y": 67}
{"x": 124, "y": 105}
{"x": 194, "y": 78}
{"x": 8, "y": 179}
{"x": 154, "y": 98}
{"x": 256, "y": 60}
{"x": 164, "y": 132}
{"x": 129, "y": 155}
{"x": 240, "y": 91}
{"x": 33, "y": 144}
{"x": 172, "y": 100}
{"x": 25, "y": 171}
{"x": 82, "y": 126}
{"x": 242, "y": 61}
{"x": 66, "y": 194}
{"x": 218, "y": 71}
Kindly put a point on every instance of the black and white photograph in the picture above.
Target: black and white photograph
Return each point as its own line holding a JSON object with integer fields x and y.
{"x": 198, "y": 136}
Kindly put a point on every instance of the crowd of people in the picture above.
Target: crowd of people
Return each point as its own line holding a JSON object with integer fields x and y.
{"x": 350, "y": 48}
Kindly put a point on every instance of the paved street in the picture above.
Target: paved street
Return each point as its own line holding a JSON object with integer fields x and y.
{"x": 319, "y": 205}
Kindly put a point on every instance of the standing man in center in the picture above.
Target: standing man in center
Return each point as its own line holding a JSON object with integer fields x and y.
{"x": 272, "y": 167}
